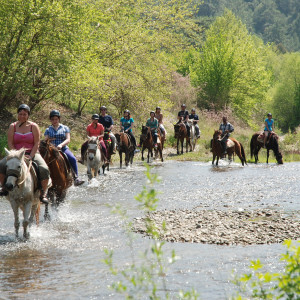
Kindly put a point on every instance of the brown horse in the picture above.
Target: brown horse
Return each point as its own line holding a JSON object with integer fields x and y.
{"x": 146, "y": 141}
{"x": 272, "y": 144}
{"x": 181, "y": 134}
{"x": 233, "y": 146}
{"x": 109, "y": 148}
{"x": 60, "y": 172}
{"x": 125, "y": 145}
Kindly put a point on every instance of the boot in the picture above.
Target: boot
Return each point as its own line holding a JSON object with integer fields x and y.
{"x": 43, "y": 198}
{"x": 78, "y": 182}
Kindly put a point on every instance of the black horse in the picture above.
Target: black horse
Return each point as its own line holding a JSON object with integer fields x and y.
{"x": 272, "y": 144}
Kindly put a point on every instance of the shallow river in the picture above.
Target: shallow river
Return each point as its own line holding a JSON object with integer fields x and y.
{"x": 63, "y": 257}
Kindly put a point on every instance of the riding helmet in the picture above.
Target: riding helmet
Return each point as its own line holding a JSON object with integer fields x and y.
{"x": 54, "y": 113}
{"x": 95, "y": 117}
{"x": 193, "y": 109}
{"x": 103, "y": 107}
{"x": 126, "y": 111}
{"x": 152, "y": 112}
{"x": 269, "y": 114}
{"x": 183, "y": 105}
{"x": 157, "y": 107}
{"x": 24, "y": 107}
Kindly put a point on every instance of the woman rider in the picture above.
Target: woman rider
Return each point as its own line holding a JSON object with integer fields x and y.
{"x": 152, "y": 123}
{"x": 26, "y": 134}
{"x": 94, "y": 129}
{"x": 126, "y": 124}
{"x": 159, "y": 117}
{"x": 60, "y": 137}
{"x": 269, "y": 127}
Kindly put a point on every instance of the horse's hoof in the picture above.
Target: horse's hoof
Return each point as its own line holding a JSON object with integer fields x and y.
{"x": 47, "y": 218}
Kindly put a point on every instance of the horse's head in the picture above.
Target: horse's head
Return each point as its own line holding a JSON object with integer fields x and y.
{"x": 92, "y": 146}
{"x": 14, "y": 167}
{"x": 177, "y": 130}
{"x": 273, "y": 144}
{"x": 217, "y": 135}
{"x": 144, "y": 135}
{"x": 48, "y": 151}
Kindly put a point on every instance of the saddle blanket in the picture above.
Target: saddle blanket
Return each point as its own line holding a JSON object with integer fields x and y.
{"x": 230, "y": 143}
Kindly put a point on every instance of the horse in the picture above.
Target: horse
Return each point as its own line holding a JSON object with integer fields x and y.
{"x": 22, "y": 188}
{"x": 109, "y": 149}
{"x": 233, "y": 146}
{"x": 61, "y": 173}
{"x": 180, "y": 135}
{"x": 124, "y": 145}
{"x": 146, "y": 141}
{"x": 93, "y": 157}
{"x": 272, "y": 144}
{"x": 193, "y": 137}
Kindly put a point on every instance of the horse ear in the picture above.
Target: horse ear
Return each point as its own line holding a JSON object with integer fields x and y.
{"x": 6, "y": 151}
{"x": 22, "y": 153}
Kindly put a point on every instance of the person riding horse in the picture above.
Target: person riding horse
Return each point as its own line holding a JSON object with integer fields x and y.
{"x": 59, "y": 136}
{"x": 108, "y": 124}
{"x": 269, "y": 127}
{"x": 126, "y": 124}
{"x": 26, "y": 134}
{"x": 195, "y": 120}
{"x": 159, "y": 117}
{"x": 226, "y": 129}
{"x": 183, "y": 115}
{"x": 94, "y": 129}
{"x": 152, "y": 123}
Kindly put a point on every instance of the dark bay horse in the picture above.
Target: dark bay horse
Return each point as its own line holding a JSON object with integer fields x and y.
{"x": 272, "y": 144}
{"x": 146, "y": 141}
{"x": 109, "y": 148}
{"x": 125, "y": 145}
{"x": 181, "y": 134}
{"x": 233, "y": 146}
{"x": 60, "y": 172}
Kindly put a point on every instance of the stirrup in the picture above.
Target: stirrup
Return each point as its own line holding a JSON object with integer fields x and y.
{"x": 44, "y": 199}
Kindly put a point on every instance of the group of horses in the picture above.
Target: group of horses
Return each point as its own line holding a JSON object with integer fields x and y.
{"x": 22, "y": 179}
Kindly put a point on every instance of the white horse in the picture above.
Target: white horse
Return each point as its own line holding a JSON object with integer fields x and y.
{"x": 21, "y": 187}
{"x": 93, "y": 157}
{"x": 193, "y": 136}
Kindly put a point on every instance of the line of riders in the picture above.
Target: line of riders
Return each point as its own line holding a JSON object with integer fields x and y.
{"x": 26, "y": 134}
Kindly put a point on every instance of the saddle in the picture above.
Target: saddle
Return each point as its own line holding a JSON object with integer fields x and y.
{"x": 35, "y": 172}
{"x": 66, "y": 162}
{"x": 230, "y": 143}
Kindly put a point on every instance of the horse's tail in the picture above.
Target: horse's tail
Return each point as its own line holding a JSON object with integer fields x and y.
{"x": 243, "y": 153}
{"x": 252, "y": 146}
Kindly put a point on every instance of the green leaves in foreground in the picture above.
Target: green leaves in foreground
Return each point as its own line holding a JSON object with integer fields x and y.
{"x": 285, "y": 285}
{"x": 147, "y": 277}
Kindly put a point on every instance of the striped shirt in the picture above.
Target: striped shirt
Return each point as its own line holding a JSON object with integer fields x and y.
{"x": 58, "y": 135}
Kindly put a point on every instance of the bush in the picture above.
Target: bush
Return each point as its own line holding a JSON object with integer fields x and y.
{"x": 3, "y": 143}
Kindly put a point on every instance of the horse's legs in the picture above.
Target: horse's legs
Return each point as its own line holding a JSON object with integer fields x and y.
{"x": 148, "y": 156}
{"x": 177, "y": 145}
{"x": 120, "y": 154}
{"x": 182, "y": 141}
{"x": 143, "y": 152}
{"x": 217, "y": 162}
{"x": 89, "y": 171}
{"x": 32, "y": 214}
{"x": 268, "y": 156}
{"x": 16, "y": 214}
{"x": 27, "y": 211}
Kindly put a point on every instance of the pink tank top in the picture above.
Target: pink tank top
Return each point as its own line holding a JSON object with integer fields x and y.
{"x": 23, "y": 140}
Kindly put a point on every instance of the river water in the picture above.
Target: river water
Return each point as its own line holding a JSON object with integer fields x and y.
{"x": 63, "y": 258}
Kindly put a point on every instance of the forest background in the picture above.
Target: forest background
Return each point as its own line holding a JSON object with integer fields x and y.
{"x": 237, "y": 56}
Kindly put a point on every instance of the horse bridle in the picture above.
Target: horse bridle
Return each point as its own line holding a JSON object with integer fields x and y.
{"x": 46, "y": 153}
{"x": 17, "y": 174}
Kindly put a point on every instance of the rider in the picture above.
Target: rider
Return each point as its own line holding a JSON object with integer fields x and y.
{"x": 195, "y": 120}
{"x": 226, "y": 129}
{"x": 94, "y": 129}
{"x": 59, "y": 135}
{"x": 184, "y": 116}
{"x": 126, "y": 124}
{"x": 269, "y": 126}
{"x": 26, "y": 134}
{"x": 152, "y": 123}
{"x": 108, "y": 124}
{"x": 159, "y": 117}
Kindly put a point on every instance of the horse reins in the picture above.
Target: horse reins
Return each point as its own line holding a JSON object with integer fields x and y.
{"x": 28, "y": 170}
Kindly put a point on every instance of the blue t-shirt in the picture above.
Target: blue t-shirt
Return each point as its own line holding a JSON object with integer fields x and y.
{"x": 106, "y": 121}
{"x": 58, "y": 135}
{"x": 270, "y": 124}
{"x": 193, "y": 117}
{"x": 126, "y": 123}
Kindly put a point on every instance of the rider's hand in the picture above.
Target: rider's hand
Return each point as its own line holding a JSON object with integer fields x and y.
{"x": 59, "y": 147}
{"x": 28, "y": 156}
{"x": 126, "y": 130}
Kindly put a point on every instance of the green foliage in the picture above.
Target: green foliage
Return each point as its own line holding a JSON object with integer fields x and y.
{"x": 3, "y": 143}
{"x": 286, "y": 285}
{"x": 146, "y": 279}
{"x": 231, "y": 69}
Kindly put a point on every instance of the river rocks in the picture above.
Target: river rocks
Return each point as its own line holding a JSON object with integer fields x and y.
{"x": 221, "y": 227}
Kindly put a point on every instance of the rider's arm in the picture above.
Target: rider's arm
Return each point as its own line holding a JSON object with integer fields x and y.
{"x": 10, "y": 136}
{"x": 66, "y": 141}
{"x": 131, "y": 126}
{"x": 36, "y": 136}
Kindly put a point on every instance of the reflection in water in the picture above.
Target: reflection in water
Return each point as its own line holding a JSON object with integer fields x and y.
{"x": 63, "y": 257}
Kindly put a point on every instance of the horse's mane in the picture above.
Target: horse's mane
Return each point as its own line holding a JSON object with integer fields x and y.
{"x": 14, "y": 153}
{"x": 53, "y": 148}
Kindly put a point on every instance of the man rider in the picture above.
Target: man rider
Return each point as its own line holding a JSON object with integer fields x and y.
{"x": 184, "y": 116}
{"x": 226, "y": 129}
{"x": 195, "y": 120}
{"x": 108, "y": 124}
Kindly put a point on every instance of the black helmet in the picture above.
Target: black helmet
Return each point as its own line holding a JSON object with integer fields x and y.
{"x": 103, "y": 107}
{"x": 126, "y": 111}
{"x": 95, "y": 117}
{"x": 152, "y": 112}
{"x": 183, "y": 105}
{"x": 193, "y": 109}
{"x": 269, "y": 114}
{"x": 157, "y": 107}
{"x": 24, "y": 107}
{"x": 54, "y": 113}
